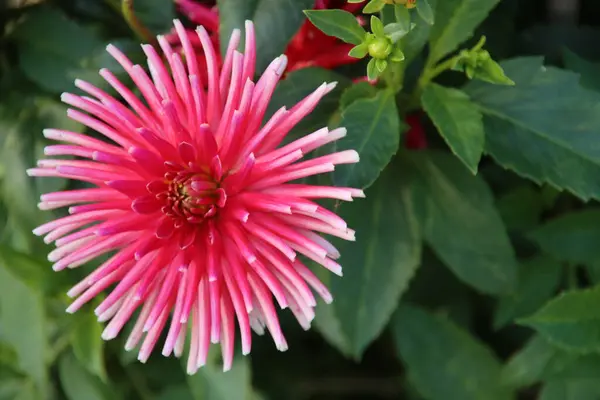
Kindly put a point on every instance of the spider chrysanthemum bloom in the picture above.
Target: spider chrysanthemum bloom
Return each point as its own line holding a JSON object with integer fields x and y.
{"x": 192, "y": 194}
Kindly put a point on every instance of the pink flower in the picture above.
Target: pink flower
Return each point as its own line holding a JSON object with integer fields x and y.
{"x": 191, "y": 193}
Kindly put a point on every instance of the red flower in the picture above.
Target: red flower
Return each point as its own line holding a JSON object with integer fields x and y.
{"x": 191, "y": 194}
{"x": 308, "y": 48}
{"x": 415, "y": 137}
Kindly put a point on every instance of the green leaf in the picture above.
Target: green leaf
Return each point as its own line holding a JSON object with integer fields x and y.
{"x": 53, "y": 49}
{"x": 539, "y": 134}
{"x": 300, "y": 84}
{"x": 377, "y": 26}
{"x": 275, "y": 23}
{"x": 372, "y": 71}
{"x": 425, "y": 11}
{"x": 458, "y": 121}
{"x": 530, "y": 364}
{"x": 571, "y": 237}
{"x": 458, "y": 208}
{"x": 570, "y": 320}
{"x": 374, "y": 132}
{"x": 360, "y": 90}
{"x": 78, "y": 383}
{"x": 573, "y": 389}
{"x": 444, "y": 361}
{"x": 179, "y": 392}
{"x": 35, "y": 273}
{"x": 338, "y": 23}
{"x": 88, "y": 345}
{"x": 377, "y": 267}
{"x": 374, "y": 6}
{"x": 538, "y": 280}
{"x": 456, "y": 21}
{"x": 211, "y": 383}
{"x": 589, "y": 71}
{"x": 413, "y": 44}
{"x": 402, "y": 16}
{"x": 23, "y": 326}
{"x": 157, "y": 15}
{"x": 521, "y": 208}
{"x": 359, "y": 51}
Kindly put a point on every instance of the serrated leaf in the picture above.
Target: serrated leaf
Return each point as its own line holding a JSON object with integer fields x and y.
{"x": 374, "y": 132}
{"x": 444, "y": 361}
{"x": 538, "y": 280}
{"x": 23, "y": 326}
{"x": 571, "y": 237}
{"x": 88, "y": 345}
{"x": 543, "y": 127}
{"x": 275, "y": 23}
{"x": 458, "y": 120}
{"x": 78, "y": 383}
{"x": 456, "y": 21}
{"x": 458, "y": 207}
{"x": 360, "y": 90}
{"x": 377, "y": 267}
{"x": 569, "y": 321}
{"x": 589, "y": 71}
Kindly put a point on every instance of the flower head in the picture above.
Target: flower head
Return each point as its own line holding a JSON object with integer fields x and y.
{"x": 191, "y": 195}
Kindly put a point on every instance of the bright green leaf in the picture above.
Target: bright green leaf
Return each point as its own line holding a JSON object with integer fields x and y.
{"x": 456, "y": 21}
{"x": 458, "y": 121}
{"x": 339, "y": 23}
{"x": 570, "y": 320}
{"x": 374, "y": 6}
{"x": 377, "y": 26}
{"x": 541, "y": 135}
{"x": 372, "y": 71}
{"x": 571, "y": 237}
{"x": 444, "y": 361}
{"x": 458, "y": 208}
{"x": 374, "y": 132}
{"x": 538, "y": 280}
{"x": 88, "y": 345}
{"x": 275, "y": 22}
{"x": 359, "y": 51}
{"x": 377, "y": 267}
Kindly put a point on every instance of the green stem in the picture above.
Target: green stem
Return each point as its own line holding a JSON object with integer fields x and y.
{"x": 134, "y": 23}
{"x": 430, "y": 72}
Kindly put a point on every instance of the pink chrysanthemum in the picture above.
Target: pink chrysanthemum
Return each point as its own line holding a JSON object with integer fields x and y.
{"x": 191, "y": 194}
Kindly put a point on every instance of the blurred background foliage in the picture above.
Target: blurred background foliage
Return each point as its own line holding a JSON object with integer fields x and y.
{"x": 459, "y": 343}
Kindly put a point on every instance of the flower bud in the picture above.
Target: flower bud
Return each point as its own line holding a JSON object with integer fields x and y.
{"x": 380, "y": 48}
